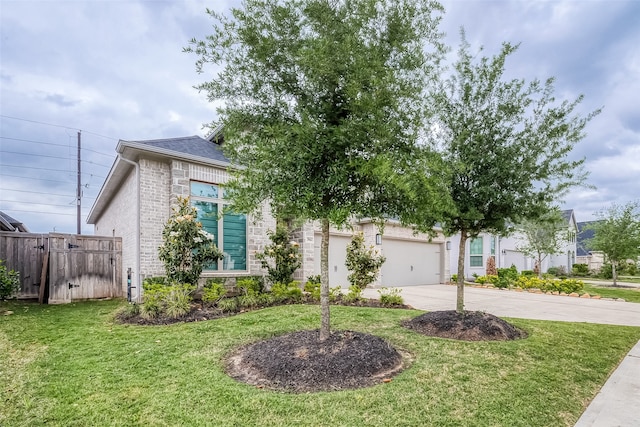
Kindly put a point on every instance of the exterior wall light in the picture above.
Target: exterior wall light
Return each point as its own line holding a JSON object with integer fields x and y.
{"x": 449, "y": 245}
{"x": 378, "y": 239}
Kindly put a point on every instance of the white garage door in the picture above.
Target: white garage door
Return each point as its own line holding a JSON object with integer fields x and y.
{"x": 411, "y": 263}
{"x": 337, "y": 253}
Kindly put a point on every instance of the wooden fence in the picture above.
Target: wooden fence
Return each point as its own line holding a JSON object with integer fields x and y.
{"x": 60, "y": 268}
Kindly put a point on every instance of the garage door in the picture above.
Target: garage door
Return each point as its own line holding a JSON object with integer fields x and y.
{"x": 337, "y": 253}
{"x": 411, "y": 263}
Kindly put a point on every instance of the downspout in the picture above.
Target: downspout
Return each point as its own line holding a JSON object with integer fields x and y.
{"x": 138, "y": 209}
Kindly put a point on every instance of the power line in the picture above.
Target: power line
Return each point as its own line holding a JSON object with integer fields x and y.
{"x": 36, "y": 192}
{"x": 70, "y": 205}
{"x": 56, "y": 145}
{"x": 37, "y": 179}
{"x": 39, "y": 212}
{"x": 58, "y": 126}
{"x": 53, "y": 157}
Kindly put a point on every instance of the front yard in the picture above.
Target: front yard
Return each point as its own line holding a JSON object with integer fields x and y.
{"x": 73, "y": 366}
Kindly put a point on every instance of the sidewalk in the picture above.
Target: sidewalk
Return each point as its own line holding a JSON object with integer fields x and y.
{"x": 618, "y": 402}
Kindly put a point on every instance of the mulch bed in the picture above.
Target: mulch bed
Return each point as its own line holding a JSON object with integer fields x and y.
{"x": 201, "y": 312}
{"x": 300, "y": 362}
{"x": 467, "y": 326}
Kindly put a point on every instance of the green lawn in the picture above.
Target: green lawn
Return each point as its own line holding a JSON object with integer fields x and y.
{"x": 629, "y": 294}
{"x": 72, "y": 366}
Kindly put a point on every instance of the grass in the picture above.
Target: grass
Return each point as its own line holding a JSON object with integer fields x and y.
{"x": 72, "y": 365}
{"x": 628, "y": 294}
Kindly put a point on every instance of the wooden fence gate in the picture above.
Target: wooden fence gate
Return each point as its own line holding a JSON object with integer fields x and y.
{"x": 60, "y": 268}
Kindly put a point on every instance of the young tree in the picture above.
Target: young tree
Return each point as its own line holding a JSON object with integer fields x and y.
{"x": 507, "y": 145}
{"x": 322, "y": 104}
{"x": 543, "y": 236}
{"x": 617, "y": 234}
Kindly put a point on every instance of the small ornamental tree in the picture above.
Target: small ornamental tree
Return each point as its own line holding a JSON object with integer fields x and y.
{"x": 543, "y": 236}
{"x": 186, "y": 247}
{"x": 281, "y": 258}
{"x": 491, "y": 266}
{"x": 363, "y": 263}
{"x": 617, "y": 235}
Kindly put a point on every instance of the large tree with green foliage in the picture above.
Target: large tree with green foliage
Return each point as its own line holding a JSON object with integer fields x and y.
{"x": 507, "y": 146}
{"x": 322, "y": 104}
{"x": 617, "y": 234}
{"x": 543, "y": 236}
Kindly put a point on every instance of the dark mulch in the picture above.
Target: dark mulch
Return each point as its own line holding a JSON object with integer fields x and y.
{"x": 467, "y": 326}
{"x": 300, "y": 362}
{"x": 201, "y": 312}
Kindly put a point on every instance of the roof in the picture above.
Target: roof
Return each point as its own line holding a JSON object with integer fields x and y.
{"x": 193, "y": 149}
{"x": 194, "y": 146}
{"x": 567, "y": 214}
{"x": 8, "y": 223}
{"x": 585, "y": 232}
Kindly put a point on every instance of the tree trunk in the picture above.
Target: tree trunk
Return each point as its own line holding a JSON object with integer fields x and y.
{"x": 539, "y": 265}
{"x": 324, "y": 282}
{"x": 614, "y": 273}
{"x": 460, "y": 293}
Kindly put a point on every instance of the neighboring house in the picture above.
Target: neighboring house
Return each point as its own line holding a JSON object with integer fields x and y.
{"x": 7, "y": 223}
{"x": 593, "y": 259}
{"x": 147, "y": 177}
{"x": 505, "y": 251}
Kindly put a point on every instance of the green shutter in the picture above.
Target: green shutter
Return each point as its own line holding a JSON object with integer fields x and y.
{"x": 234, "y": 237}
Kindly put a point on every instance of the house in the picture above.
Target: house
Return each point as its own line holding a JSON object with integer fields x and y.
{"x": 148, "y": 176}
{"x": 505, "y": 251}
{"x": 7, "y": 223}
{"x": 593, "y": 259}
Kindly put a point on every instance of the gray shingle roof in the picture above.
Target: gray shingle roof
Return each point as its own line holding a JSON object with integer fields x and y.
{"x": 191, "y": 145}
{"x": 8, "y": 223}
{"x": 584, "y": 234}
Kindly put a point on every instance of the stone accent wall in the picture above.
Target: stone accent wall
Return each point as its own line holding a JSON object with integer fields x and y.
{"x": 155, "y": 184}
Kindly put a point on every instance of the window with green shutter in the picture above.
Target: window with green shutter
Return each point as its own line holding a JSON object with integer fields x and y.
{"x": 228, "y": 228}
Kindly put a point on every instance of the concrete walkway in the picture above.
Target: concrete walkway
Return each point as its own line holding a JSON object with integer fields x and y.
{"x": 618, "y": 402}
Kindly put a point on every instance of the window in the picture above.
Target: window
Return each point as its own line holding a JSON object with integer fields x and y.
{"x": 228, "y": 228}
{"x": 475, "y": 252}
{"x": 493, "y": 245}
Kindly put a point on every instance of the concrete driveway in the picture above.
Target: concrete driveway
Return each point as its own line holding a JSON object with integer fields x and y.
{"x": 503, "y": 303}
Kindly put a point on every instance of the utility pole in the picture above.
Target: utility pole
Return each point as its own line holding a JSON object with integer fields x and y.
{"x": 79, "y": 190}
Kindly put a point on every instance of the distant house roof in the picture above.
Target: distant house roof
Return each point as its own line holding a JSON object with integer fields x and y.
{"x": 567, "y": 214}
{"x": 8, "y": 223}
{"x": 584, "y": 234}
{"x": 187, "y": 148}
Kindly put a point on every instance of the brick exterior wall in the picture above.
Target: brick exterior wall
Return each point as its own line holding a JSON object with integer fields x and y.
{"x": 119, "y": 219}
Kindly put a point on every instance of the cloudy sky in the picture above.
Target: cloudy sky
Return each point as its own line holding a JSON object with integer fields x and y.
{"x": 114, "y": 69}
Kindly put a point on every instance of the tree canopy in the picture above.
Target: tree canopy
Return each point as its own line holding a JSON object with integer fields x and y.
{"x": 323, "y": 102}
{"x": 543, "y": 236}
{"x": 506, "y": 144}
{"x": 617, "y": 234}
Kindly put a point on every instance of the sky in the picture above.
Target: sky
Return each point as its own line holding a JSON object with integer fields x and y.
{"x": 115, "y": 69}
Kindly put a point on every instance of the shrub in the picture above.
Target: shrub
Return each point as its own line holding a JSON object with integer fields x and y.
{"x": 249, "y": 301}
{"x": 213, "y": 291}
{"x": 228, "y": 305}
{"x": 606, "y": 272}
{"x": 354, "y": 294}
{"x": 580, "y": 270}
{"x": 158, "y": 298}
{"x": 454, "y": 277}
{"x": 528, "y": 273}
{"x": 177, "y": 301}
{"x": 250, "y": 285}
{"x": 186, "y": 248}
{"x": 286, "y": 292}
{"x": 281, "y": 258}
{"x": 363, "y": 263}
{"x": 557, "y": 271}
{"x": 508, "y": 276}
{"x": 390, "y": 296}
{"x": 9, "y": 282}
{"x": 267, "y": 299}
